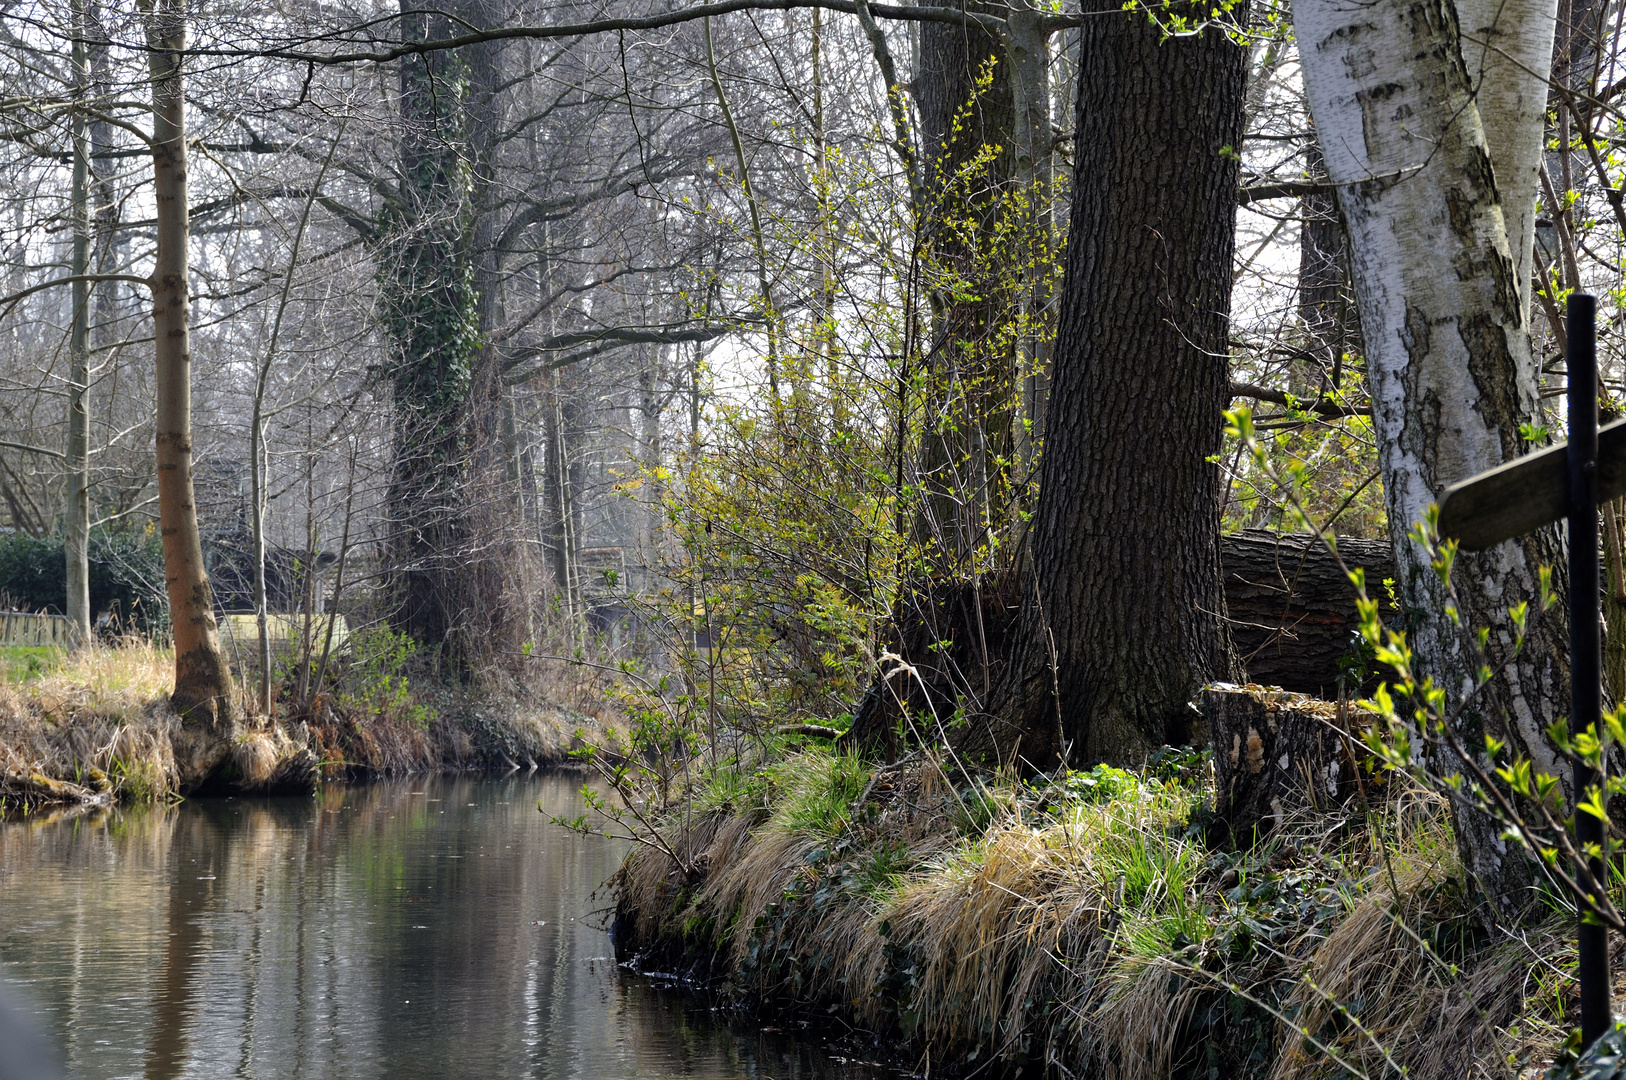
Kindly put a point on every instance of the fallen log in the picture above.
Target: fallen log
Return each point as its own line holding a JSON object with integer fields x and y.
{"x": 1291, "y": 608}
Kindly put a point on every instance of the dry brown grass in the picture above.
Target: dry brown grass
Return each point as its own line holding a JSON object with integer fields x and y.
{"x": 103, "y": 710}
{"x": 107, "y": 710}
{"x": 1091, "y": 940}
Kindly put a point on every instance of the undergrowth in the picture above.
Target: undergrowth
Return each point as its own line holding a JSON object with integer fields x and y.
{"x": 1086, "y": 926}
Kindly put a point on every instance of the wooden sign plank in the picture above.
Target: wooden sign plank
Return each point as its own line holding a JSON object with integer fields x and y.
{"x": 1526, "y": 494}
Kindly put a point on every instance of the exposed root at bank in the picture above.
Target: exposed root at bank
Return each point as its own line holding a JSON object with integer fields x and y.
{"x": 1087, "y": 928}
{"x": 98, "y": 728}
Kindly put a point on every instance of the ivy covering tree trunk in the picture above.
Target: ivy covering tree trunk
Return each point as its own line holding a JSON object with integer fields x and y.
{"x": 1121, "y": 620}
{"x": 1432, "y": 128}
{"x": 429, "y": 302}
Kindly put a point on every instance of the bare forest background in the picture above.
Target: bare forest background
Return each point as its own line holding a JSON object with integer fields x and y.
{"x": 710, "y": 350}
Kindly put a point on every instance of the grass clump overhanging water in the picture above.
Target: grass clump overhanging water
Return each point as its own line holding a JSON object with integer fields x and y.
{"x": 1086, "y": 926}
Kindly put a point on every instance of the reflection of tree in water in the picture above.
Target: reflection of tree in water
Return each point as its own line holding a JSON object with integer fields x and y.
{"x": 189, "y": 893}
{"x": 367, "y": 932}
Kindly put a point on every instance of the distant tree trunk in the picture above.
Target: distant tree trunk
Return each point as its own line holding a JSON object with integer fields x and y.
{"x": 203, "y": 685}
{"x": 1325, "y": 311}
{"x": 1027, "y": 44}
{"x": 426, "y": 274}
{"x": 76, "y": 526}
{"x": 1437, "y": 167}
{"x": 1121, "y": 621}
{"x": 970, "y": 387}
{"x": 561, "y": 488}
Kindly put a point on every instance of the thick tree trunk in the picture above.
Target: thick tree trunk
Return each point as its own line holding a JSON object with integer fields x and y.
{"x": 426, "y": 272}
{"x": 1437, "y": 163}
{"x": 1123, "y": 623}
{"x": 204, "y": 694}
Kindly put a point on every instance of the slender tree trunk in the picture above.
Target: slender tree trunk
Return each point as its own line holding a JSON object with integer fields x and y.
{"x": 1437, "y": 162}
{"x": 1324, "y": 309}
{"x": 203, "y": 685}
{"x": 1027, "y": 44}
{"x": 964, "y": 91}
{"x": 1120, "y": 624}
{"x": 76, "y": 527}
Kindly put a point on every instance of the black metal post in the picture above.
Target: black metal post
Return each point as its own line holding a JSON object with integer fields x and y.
{"x": 1585, "y": 651}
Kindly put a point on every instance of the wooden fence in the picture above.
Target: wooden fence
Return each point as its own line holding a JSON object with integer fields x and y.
{"x": 23, "y": 628}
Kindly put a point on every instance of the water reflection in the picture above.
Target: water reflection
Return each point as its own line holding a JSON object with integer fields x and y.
{"x": 440, "y": 928}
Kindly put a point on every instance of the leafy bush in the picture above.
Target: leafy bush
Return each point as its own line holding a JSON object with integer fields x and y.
{"x": 126, "y": 576}
{"x": 375, "y": 683}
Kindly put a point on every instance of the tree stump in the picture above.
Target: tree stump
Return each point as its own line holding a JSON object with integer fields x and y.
{"x": 1276, "y": 752}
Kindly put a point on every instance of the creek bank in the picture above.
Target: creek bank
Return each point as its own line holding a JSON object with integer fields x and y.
{"x": 96, "y": 727}
{"x": 1087, "y": 927}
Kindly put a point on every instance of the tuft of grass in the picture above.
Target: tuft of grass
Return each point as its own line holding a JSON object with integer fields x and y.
{"x": 1086, "y": 923}
{"x": 816, "y": 790}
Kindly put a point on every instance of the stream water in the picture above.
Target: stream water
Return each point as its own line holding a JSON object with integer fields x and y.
{"x": 438, "y": 928}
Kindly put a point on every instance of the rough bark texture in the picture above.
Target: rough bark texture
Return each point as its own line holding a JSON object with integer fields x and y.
{"x": 1275, "y": 753}
{"x": 1123, "y": 623}
{"x": 203, "y": 686}
{"x": 971, "y": 383}
{"x": 1292, "y": 610}
{"x": 1440, "y": 253}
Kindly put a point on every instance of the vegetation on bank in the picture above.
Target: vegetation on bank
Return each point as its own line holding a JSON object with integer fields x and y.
{"x": 1086, "y": 925}
{"x": 96, "y": 725}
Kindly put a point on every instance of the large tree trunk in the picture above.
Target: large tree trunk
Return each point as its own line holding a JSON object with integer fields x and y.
{"x": 426, "y": 274}
{"x": 1437, "y": 163}
{"x": 203, "y": 685}
{"x": 1122, "y": 622}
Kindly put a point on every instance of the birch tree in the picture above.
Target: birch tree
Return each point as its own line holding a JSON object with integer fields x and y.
{"x": 1430, "y": 116}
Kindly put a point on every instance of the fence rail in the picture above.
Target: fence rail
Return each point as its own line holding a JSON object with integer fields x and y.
{"x": 24, "y": 628}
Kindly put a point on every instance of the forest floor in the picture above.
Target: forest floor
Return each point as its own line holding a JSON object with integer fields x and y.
{"x": 96, "y": 725}
{"x": 1088, "y": 927}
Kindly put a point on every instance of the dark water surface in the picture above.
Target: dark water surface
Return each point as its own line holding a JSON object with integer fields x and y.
{"x": 438, "y": 928}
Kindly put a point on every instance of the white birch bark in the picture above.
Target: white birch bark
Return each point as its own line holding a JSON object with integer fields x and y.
{"x": 1440, "y": 209}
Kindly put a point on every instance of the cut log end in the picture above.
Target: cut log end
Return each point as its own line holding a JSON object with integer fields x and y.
{"x": 1275, "y": 753}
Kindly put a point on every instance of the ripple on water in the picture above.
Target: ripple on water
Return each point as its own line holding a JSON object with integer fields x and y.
{"x": 439, "y": 929}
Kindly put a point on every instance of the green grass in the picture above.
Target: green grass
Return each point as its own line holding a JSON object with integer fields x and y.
{"x": 817, "y": 789}
{"x": 19, "y": 663}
